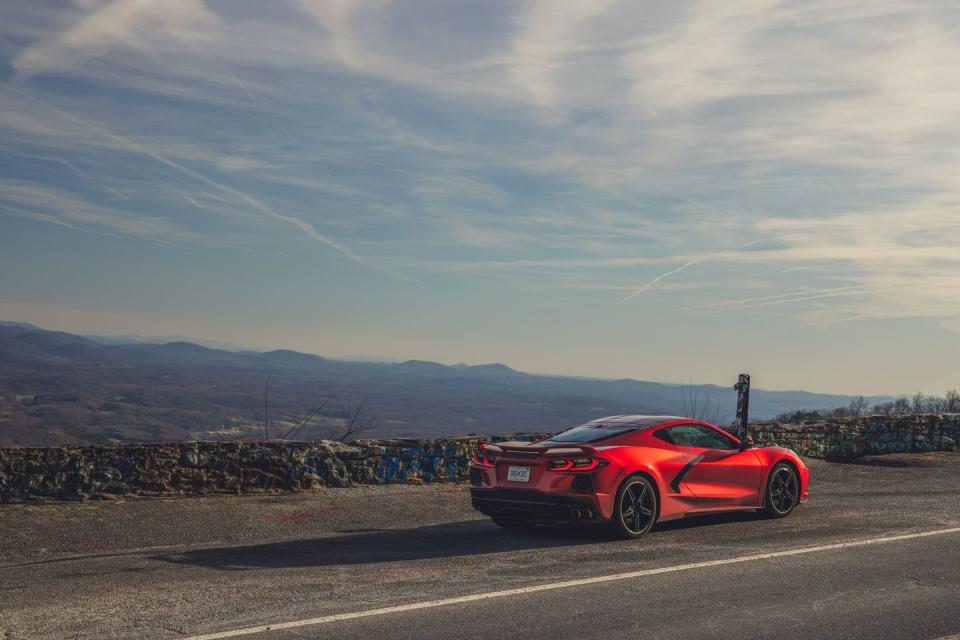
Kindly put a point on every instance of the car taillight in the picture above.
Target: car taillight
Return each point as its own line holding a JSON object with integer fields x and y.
{"x": 482, "y": 460}
{"x": 576, "y": 464}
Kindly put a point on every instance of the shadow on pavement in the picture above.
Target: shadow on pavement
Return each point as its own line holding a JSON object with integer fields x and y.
{"x": 693, "y": 522}
{"x": 474, "y": 537}
{"x": 469, "y": 538}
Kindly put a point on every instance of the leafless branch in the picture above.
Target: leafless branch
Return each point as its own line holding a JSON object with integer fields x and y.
{"x": 357, "y": 419}
{"x": 305, "y": 419}
{"x": 700, "y": 408}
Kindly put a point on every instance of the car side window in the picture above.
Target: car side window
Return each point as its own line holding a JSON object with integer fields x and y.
{"x": 664, "y": 434}
{"x": 696, "y": 435}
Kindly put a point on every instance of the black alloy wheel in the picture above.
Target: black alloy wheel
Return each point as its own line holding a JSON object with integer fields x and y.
{"x": 783, "y": 491}
{"x": 636, "y": 507}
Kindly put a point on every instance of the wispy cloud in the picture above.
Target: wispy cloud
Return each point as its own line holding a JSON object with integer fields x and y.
{"x": 565, "y": 148}
{"x": 255, "y": 203}
{"x": 52, "y": 205}
{"x": 121, "y": 23}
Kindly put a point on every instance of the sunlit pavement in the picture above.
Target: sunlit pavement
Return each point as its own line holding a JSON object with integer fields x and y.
{"x": 180, "y": 568}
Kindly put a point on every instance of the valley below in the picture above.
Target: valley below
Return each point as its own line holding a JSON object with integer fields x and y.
{"x": 60, "y": 388}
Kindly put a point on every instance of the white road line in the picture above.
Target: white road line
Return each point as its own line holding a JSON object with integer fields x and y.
{"x": 565, "y": 585}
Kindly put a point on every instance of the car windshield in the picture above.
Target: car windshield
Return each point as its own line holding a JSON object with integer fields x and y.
{"x": 588, "y": 433}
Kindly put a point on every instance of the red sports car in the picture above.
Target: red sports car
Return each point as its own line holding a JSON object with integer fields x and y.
{"x": 631, "y": 472}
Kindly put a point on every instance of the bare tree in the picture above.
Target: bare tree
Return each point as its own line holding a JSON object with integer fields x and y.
{"x": 357, "y": 418}
{"x": 689, "y": 395}
{"x": 304, "y": 421}
{"x": 952, "y": 402}
{"x": 885, "y": 409}
{"x": 353, "y": 419}
{"x": 918, "y": 403}
{"x": 901, "y": 407}
{"x": 857, "y": 406}
{"x": 705, "y": 409}
{"x": 935, "y": 404}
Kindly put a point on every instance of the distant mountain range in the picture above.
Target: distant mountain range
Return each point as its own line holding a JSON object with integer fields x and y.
{"x": 133, "y": 338}
{"x": 58, "y": 387}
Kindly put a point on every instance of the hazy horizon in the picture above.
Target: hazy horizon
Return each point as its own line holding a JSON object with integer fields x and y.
{"x": 377, "y": 358}
{"x": 659, "y": 191}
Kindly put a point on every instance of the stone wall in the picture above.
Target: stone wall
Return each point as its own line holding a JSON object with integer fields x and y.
{"x": 205, "y": 468}
{"x": 848, "y": 438}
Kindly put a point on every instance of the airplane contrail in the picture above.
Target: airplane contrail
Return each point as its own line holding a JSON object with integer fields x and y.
{"x": 92, "y": 180}
{"x": 243, "y": 86}
{"x": 834, "y": 294}
{"x": 303, "y": 225}
{"x": 687, "y": 265}
{"x": 793, "y": 294}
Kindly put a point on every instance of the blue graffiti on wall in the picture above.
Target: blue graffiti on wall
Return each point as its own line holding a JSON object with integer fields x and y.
{"x": 429, "y": 462}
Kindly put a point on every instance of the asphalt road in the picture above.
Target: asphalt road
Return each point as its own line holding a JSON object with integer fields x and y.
{"x": 184, "y": 568}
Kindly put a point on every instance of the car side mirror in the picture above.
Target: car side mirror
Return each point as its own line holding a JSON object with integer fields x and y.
{"x": 746, "y": 443}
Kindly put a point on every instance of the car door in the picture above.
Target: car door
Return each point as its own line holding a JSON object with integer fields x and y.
{"x": 719, "y": 475}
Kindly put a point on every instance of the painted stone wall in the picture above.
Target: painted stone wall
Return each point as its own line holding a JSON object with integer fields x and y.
{"x": 848, "y": 438}
{"x": 206, "y": 468}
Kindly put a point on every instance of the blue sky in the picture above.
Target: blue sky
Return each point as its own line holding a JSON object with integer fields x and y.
{"x": 665, "y": 191}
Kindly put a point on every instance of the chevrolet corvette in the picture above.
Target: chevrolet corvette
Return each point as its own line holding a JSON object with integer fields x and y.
{"x": 630, "y": 472}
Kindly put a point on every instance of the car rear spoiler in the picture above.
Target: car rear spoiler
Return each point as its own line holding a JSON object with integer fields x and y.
{"x": 528, "y": 448}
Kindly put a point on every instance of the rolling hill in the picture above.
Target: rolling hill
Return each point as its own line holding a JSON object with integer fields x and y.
{"x": 58, "y": 387}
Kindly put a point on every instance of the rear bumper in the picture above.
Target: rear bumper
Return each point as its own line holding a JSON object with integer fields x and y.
{"x": 534, "y": 506}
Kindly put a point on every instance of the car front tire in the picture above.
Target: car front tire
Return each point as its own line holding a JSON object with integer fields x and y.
{"x": 783, "y": 491}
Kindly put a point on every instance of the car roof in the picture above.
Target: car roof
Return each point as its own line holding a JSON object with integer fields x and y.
{"x": 637, "y": 421}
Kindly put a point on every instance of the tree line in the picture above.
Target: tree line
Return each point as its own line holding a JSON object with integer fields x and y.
{"x": 916, "y": 404}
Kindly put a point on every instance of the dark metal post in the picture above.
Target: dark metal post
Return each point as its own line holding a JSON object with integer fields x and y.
{"x": 743, "y": 405}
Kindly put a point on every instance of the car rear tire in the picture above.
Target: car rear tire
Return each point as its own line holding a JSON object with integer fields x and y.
{"x": 513, "y": 525}
{"x": 783, "y": 491}
{"x": 635, "y": 509}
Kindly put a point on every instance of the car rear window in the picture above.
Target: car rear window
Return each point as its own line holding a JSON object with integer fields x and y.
{"x": 588, "y": 433}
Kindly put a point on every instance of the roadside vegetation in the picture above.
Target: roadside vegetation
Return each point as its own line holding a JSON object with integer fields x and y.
{"x": 917, "y": 404}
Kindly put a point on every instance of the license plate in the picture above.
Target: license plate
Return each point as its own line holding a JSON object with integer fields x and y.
{"x": 518, "y": 474}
